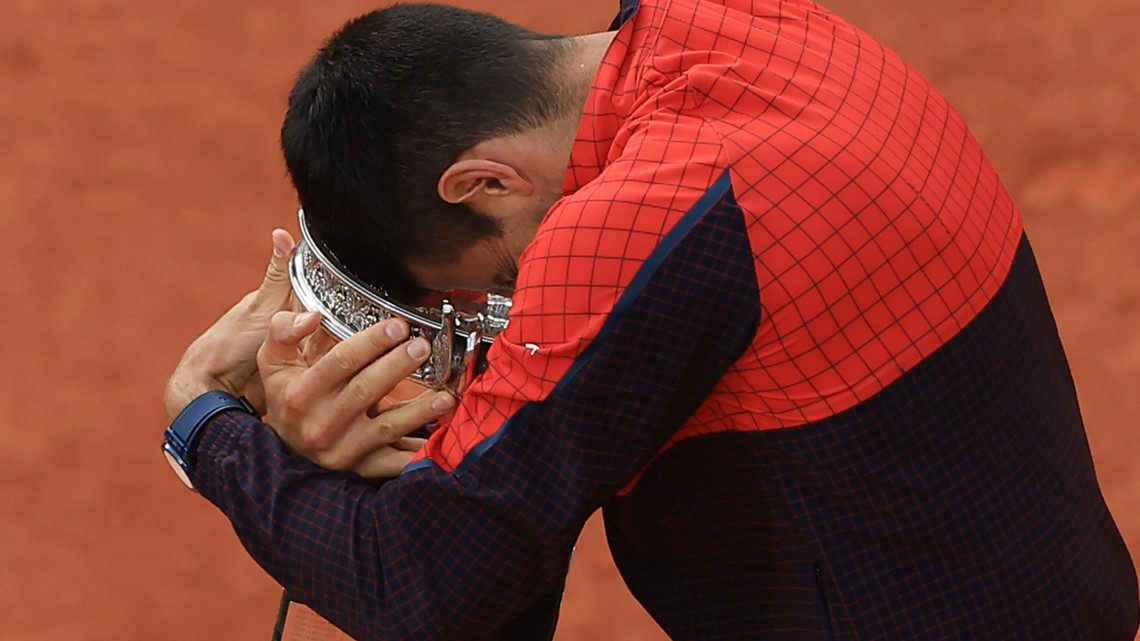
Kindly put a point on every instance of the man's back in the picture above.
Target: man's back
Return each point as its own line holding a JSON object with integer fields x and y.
{"x": 896, "y": 449}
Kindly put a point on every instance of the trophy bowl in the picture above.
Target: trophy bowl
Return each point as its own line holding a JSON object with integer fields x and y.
{"x": 460, "y": 330}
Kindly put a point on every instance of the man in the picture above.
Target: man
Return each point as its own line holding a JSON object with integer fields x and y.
{"x": 774, "y": 313}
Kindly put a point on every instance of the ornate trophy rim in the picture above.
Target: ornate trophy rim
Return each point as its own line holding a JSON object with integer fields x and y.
{"x": 348, "y": 305}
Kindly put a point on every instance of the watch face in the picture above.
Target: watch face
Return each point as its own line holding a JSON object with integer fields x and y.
{"x": 176, "y": 465}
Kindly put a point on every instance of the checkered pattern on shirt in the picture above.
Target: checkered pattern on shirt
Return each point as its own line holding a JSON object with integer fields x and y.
{"x": 878, "y": 227}
{"x": 959, "y": 503}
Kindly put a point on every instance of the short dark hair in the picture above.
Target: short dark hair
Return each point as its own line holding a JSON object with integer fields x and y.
{"x": 385, "y": 106}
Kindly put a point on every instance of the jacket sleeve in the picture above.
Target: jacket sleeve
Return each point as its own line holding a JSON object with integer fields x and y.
{"x": 619, "y": 332}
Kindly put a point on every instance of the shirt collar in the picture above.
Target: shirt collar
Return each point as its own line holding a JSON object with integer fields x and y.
{"x": 628, "y": 7}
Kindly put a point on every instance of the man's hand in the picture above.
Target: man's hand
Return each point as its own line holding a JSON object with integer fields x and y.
{"x": 224, "y": 357}
{"x": 329, "y": 410}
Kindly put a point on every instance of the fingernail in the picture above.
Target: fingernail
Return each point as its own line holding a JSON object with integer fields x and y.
{"x": 279, "y": 245}
{"x": 442, "y": 403}
{"x": 300, "y": 319}
{"x": 418, "y": 348}
{"x": 396, "y": 329}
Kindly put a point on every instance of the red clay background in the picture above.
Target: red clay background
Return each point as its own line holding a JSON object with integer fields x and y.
{"x": 139, "y": 180}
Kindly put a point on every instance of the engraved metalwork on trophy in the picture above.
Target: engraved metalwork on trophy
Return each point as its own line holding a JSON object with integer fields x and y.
{"x": 459, "y": 339}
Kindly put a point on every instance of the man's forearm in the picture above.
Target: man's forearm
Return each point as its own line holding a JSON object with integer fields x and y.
{"x": 457, "y": 569}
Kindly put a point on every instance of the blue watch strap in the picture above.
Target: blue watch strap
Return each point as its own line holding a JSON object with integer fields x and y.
{"x": 182, "y": 435}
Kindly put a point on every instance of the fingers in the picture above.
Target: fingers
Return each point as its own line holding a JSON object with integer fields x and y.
{"x": 274, "y": 293}
{"x": 388, "y": 462}
{"x": 410, "y": 444}
{"x": 392, "y": 425}
{"x": 368, "y": 365}
{"x": 325, "y": 409}
{"x": 420, "y": 411}
{"x": 281, "y": 349}
{"x": 364, "y": 447}
{"x": 317, "y": 345}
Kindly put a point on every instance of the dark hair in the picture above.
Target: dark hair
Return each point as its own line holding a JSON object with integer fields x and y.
{"x": 386, "y": 105}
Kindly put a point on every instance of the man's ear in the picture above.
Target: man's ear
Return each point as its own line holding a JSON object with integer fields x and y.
{"x": 473, "y": 179}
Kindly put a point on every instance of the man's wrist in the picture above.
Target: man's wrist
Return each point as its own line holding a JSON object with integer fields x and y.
{"x": 180, "y": 392}
{"x": 205, "y": 366}
{"x": 181, "y": 438}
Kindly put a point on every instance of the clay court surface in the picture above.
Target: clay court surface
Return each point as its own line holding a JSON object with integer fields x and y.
{"x": 139, "y": 181}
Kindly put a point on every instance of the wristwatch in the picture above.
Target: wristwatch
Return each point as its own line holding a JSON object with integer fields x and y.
{"x": 181, "y": 439}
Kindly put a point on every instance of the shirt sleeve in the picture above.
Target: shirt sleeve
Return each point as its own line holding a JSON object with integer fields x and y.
{"x": 628, "y": 311}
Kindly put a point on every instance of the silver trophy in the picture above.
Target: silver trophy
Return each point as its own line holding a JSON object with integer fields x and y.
{"x": 460, "y": 331}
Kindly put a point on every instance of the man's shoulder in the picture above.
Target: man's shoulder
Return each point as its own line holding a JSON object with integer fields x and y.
{"x": 628, "y": 209}
{"x": 661, "y": 162}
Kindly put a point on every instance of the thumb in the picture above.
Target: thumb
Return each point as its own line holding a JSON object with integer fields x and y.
{"x": 281, "y": 349}
{"x": 275, "y": 288}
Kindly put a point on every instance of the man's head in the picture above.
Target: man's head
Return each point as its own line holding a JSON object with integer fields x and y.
{"x": 380, "y": 128}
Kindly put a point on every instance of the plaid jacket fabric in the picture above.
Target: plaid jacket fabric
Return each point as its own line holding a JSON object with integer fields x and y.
{"x": 785, "y": 330}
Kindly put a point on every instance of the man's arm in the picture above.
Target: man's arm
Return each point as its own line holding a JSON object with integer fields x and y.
{"x": 482, "y": 526}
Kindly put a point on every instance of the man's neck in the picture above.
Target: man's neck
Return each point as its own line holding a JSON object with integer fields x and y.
{"x": 586, "y": 55}
{"x": 577, "y": 74}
